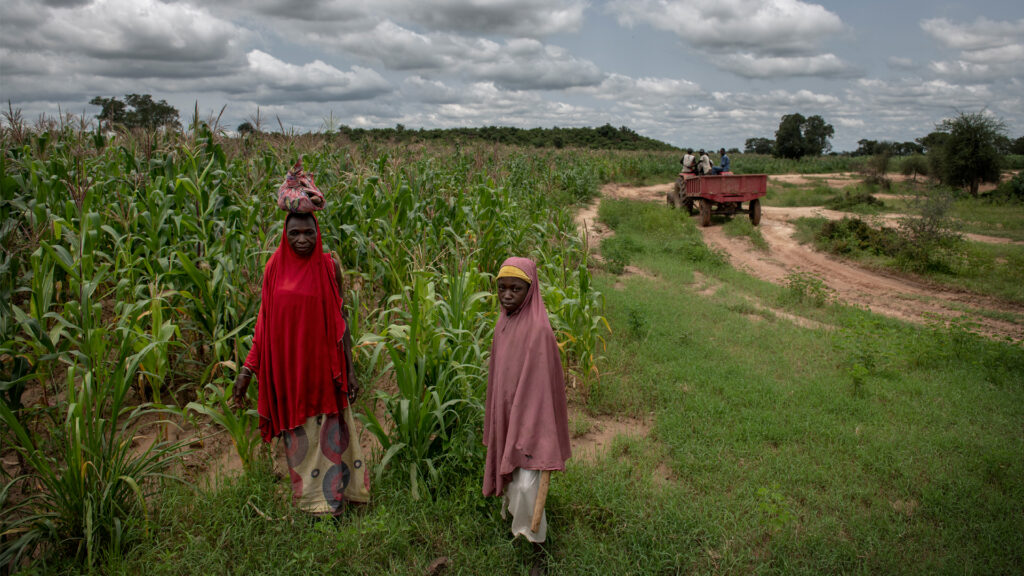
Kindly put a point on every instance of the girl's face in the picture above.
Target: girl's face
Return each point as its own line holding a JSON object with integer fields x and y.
{"x": 301, "y": 234}
{"x": 511, "y": 293}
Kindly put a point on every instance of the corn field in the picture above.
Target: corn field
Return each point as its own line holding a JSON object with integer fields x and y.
{"x": 131, "y": 269}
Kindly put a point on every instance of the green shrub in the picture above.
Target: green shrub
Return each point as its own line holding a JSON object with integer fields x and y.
{"x": 929, "y": 240}
{"x": 914, "y": 166}
{"x": 1010, "y": 191}
{"x": 88, "y": 486}
{"x": 848, "y": 200}
{"x": 617, "y": 252}
{"x": 806, "y": 288}
{"x": 853, "y": 234}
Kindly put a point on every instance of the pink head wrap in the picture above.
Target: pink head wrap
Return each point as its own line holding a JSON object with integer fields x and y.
{"x": 526, "y": 423}
{"x": 299, "y": 193}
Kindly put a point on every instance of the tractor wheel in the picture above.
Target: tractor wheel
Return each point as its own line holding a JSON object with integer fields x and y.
{"x": 705, "y": 212}
{"x": 755, "y": 211}
{"x": 674, "y": 196}
{"x": 688, "y": 204}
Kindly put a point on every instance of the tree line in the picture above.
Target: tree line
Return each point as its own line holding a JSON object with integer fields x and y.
{"x": 796, "y": 137}
{"x": 602, "y": 137}
{"x": 962, "y": 151}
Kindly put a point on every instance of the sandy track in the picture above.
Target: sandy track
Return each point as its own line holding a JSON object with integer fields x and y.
{"x": 889, "y": 220}
{"x": 883, "y": 293}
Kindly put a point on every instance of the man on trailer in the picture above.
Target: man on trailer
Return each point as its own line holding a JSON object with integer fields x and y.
{"x": 724, "y": 167}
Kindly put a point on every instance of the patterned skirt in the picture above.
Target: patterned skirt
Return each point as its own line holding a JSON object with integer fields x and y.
{"x": 326, "y": 464}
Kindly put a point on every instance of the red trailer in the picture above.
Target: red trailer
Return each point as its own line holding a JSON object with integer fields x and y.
{"x": 722, "y": 194}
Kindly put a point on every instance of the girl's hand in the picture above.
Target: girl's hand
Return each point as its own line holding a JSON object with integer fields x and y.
{"x": 238, "y": 397}
{"x": 353, "y": 387}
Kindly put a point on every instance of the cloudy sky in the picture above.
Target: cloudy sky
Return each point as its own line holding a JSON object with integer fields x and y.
{"x": 706, "y": 73}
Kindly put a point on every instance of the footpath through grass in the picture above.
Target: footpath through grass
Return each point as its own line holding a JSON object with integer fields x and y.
{"x": 869, "y": 447}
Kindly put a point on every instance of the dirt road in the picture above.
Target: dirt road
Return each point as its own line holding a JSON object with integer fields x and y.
{"x": 883, "y": 293}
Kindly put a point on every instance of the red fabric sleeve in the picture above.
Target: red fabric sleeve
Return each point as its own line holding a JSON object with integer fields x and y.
{"x": 252, "y": 361}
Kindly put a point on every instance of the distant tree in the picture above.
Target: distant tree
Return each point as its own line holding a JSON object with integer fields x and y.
{"x": 1017, "y": 146}
{"x": 789, "y": 138}
{"x": 933, "y": 142}
{"x": 112, "y": 110}
{"x": 817, "y": 134}
{"x": 1003, "y": 144}
{"x": 865, "y": 147}
{"x": 871, "y": 147}
{"x": 798, "y": 136}
{"x": 149, "y": 114}
{"x": 137, "y": 110}
{"x": 970, "y": 155}
{"x": 246, "y": 128}
{"x": 914, "y": 166}
{"x": 910, "y": 148}
{"x": 759, "y": 146}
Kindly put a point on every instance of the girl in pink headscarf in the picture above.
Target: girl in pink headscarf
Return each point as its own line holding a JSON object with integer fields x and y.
{"x": 526, "y": 426}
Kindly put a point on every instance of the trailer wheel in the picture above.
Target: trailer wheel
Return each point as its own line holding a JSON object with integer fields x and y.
{"x": 705, "y": 212}
{"x": 755, "y": 211}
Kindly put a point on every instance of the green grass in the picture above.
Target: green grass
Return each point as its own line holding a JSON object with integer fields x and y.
{"x": 991, "y": 269}
{"x": 740, "y": 225}
{"x": 974, "y": 215}
{"x": 791, "y": 195}
{"x": 781, "y": 457}
{"x": 980, "y": 217}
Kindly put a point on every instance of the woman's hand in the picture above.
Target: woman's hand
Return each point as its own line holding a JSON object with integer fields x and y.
{"x": 241, "y": 387}
{"x": 353, "y": 385}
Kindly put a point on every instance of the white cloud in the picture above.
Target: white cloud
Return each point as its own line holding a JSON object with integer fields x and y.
{"x": 776, "y": 101}
{"x": 517, "y": 18}
{"x": 883, "y": 97}
{"x": 274, "y": 80}
{"x": 989, "y": 50}
{"x": 755, "y": 66}
{"x": 138, "y": 30}
{"x": 122, "y": 39}
{"x": 900, "y": 63}
{"x": 522, "y": 18}
{"x": 526, "y": 64}
{"x": 776, "y": 27}
{"x": 486, "y": 104}
{"x": 396, "y": 47}
{"x": 961, "y": 71}
{"x": 982, "y": 33}
{"x": 420, "y": 89}
{"x": 518, "y": 63}
{"x": 481, "y": 62}
{"x": 644, "y": 90}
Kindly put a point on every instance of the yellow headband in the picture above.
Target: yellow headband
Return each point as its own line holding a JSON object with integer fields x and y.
{"x": 513, "y": 272}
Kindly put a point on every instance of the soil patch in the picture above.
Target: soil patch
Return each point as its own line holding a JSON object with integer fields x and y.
{"x": 844, "y": 179}
{"x": 592, "y": 436}
{"x": 890, "y": 220}
{"x": 882, "y": 293}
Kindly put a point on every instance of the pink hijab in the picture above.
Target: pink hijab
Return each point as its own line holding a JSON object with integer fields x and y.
{"x": 526, "y": 422}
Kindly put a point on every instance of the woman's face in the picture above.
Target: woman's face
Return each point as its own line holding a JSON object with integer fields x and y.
{"x": 511, "y": 293}
{"x": 301, "y": 234}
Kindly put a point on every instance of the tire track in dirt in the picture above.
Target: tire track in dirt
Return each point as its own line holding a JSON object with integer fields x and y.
{"x": 882, "y": 293}
{"x": 890, "y": 220}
